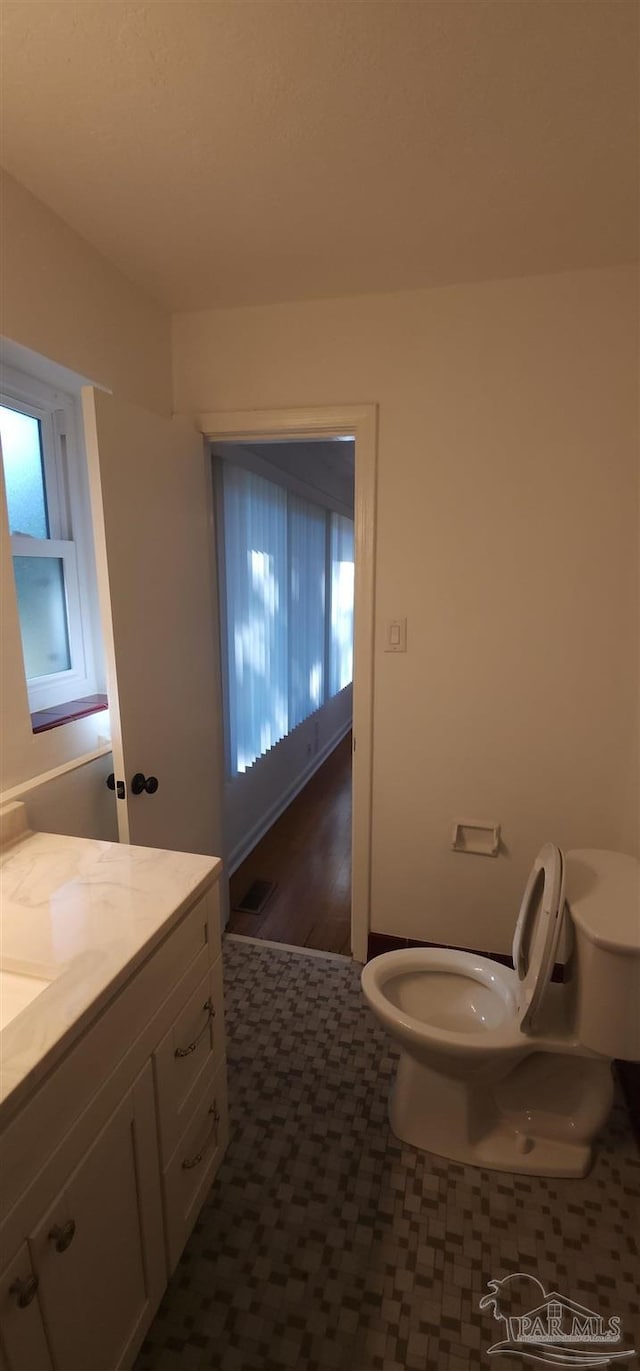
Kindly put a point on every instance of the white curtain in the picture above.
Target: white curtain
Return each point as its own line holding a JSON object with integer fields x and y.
{"x": 342, "y": 567}
{"x": 307, "y": 567}
{"x": 255, "y": 540}
{"x": 278, "y": 565}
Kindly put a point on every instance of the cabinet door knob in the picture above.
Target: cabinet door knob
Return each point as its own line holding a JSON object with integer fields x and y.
{"x": 62, "y": 1234}
{"x": 24, "y": 1290}
{"x": 141, "y": 782}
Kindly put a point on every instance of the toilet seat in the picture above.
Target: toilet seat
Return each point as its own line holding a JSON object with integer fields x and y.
{"x": 458, "y": 1001}
{"x": 538, "y": 928}
{"x": 462, "y": 1002}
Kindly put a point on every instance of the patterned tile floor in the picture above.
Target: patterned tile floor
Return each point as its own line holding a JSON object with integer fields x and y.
{"x": 326, "y": 1244}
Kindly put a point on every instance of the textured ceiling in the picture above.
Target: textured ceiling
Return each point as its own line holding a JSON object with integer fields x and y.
{"x": 238, "y": 152}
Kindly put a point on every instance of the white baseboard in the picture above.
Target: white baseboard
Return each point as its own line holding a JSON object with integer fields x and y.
{"x": 266, "y": 821}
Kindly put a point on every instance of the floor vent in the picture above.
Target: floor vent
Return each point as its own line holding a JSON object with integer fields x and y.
{"x": 255, "y": 898}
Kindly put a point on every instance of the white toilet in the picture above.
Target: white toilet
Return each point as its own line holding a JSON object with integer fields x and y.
{"x": 500, "y": 1067}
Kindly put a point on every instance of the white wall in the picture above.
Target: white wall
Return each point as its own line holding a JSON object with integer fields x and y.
{"x": 62, "y": 301}
{"x": 77, "y": 802}
{"x": 507, "y": 534}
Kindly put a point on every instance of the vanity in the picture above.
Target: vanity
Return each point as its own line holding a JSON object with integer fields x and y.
{"x": 113, "y": 1101}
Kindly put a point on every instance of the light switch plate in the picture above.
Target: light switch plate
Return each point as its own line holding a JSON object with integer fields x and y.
{"x": 396, "y": 635}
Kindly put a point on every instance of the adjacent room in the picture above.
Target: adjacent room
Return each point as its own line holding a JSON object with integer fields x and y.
{"x": 319, "y": 684}
{"x": 284, "y": 537}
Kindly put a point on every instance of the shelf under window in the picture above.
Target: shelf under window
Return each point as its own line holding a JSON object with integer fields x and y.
{"x": 44, "y": 719}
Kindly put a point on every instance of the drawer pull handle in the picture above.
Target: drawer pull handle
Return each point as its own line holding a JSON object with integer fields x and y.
{"x": 62, "y": 1234}
{"x": 24, "y": 1291}
{"x": 210, "y": 1012}
{"x": 189, "y": 1162}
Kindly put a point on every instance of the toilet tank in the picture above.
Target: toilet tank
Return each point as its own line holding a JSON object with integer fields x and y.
{"x": 602, "y": 895}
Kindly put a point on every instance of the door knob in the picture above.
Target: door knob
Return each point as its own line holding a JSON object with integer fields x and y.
{"x": 140, "y": 783}
{"x": 24, "y": 1290}
{"x": 62, "y": 1235}
{"x": 111, "y": 781}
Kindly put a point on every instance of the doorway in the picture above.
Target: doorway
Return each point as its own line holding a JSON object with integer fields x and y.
{"x": 357, "y": 424}
{"x": 304, "y": 860}
{"x": 285, "y": 547}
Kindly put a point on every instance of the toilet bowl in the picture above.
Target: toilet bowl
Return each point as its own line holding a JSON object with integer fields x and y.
{"x": 498, "y": 1066}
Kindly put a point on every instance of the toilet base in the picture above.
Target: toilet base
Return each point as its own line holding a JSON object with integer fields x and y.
{"x": 459, "y": 1119}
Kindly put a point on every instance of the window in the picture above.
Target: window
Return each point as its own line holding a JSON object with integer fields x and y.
{"x": 43, "y": 501}
{"x": 287, "y": 609}
{"x": 255, "y": 537}
{"x": 307, "y": 595}
{"x": 341, "y": 653}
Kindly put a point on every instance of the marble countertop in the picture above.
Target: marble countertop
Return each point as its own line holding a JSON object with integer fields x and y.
{"x": 81, "y": 915}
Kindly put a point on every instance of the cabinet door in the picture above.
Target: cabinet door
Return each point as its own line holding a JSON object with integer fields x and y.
{"x": 98, "y": 1251}
{"x": 23, "y": 1345}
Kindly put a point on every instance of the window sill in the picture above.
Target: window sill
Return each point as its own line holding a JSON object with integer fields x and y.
{"x": 44, "y": 719}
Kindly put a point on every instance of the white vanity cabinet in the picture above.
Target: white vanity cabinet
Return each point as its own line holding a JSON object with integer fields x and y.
{"x": 106, "y": 1163}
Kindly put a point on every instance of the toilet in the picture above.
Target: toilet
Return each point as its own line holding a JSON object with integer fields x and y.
{"x": 500, "y": 1066}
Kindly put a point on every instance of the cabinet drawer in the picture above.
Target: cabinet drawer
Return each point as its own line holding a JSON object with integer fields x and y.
{"x": 187, "y": 1178}
{"x": 194, "y": 1042}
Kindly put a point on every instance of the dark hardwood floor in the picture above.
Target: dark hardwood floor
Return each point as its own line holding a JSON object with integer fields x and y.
{"x": 307, "y": 853}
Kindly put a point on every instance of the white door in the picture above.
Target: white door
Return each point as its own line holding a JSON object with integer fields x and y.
{"x": 152, "y": 510}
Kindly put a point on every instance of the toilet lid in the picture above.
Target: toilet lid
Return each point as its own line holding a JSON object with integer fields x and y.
{"x": 538, "y": 929}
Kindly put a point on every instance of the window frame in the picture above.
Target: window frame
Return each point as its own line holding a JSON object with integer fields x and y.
{"x": 67, "y": 512}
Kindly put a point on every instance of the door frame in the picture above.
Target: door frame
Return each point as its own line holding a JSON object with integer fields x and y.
{"x": 361, "y": 422}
